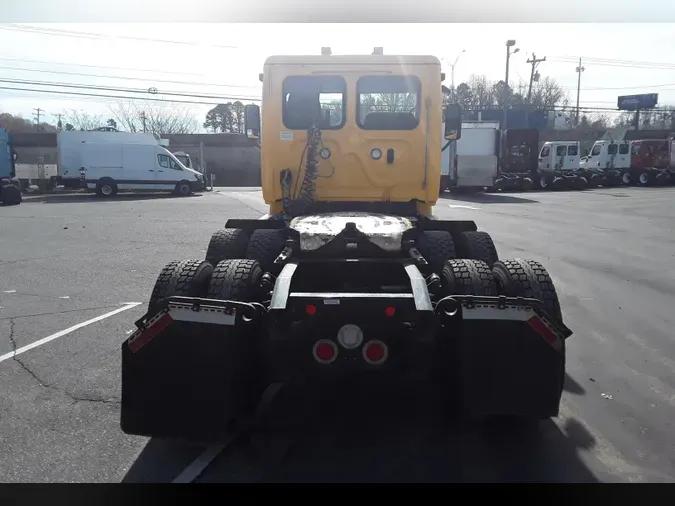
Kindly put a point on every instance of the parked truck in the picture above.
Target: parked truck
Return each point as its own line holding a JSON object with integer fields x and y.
{"x": 607, "y": 163}
{"x": 523, "y": 166}
{"x": 471, "y": 162}
{"x": 518, "y": 161}
{"x": 10, "y": 191}
{"x": 650, "y": 163}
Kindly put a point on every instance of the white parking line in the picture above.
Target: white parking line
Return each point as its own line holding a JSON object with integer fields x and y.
{"x": 452, "y": 206}
{"x": 47, "y": 339}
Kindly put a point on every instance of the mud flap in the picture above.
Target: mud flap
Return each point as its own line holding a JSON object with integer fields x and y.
{"x": 189, "y": 373}
{"x": 511, "y": 357}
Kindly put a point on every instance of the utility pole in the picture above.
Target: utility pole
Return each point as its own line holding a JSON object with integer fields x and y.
{"x": 534, "y": 61}
{"x": 580, "y": 69}
{"x": 143, "y": 118}
{"x": 37, "y": 113}
{"x": 59, "y": 124}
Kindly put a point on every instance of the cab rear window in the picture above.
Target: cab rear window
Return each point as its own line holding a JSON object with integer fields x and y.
{"x": 388, "y": 102}
{"x": 309, "y": 100}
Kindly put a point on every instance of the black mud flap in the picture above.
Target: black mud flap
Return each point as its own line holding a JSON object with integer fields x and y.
{"x": 190, "y": 370}
{"x": 511, "y": 356}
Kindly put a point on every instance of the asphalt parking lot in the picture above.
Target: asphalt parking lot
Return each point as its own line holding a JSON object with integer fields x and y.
{"x": 76, "y": 272}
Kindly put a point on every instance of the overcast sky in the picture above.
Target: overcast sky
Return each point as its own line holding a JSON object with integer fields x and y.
{"x": 224, "y": 60}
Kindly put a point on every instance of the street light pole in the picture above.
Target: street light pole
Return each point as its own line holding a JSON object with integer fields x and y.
{"x": 505, "y": 98}
{"x": 452, "y": 71}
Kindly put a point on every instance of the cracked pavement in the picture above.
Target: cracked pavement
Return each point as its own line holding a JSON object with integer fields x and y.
{"x": 68, "y": 259}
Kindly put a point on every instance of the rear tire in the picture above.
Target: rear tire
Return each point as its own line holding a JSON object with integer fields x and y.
{"x": 182, "y": 278}
{"x": 529, "y": 279}
{"x": 477, "y": 245}
{"x": 10, "y": 195}
{"x": 237, "y": 280}
{"x": 106, "y": 188}
{"x": 436, "y": 246}
{"x": 265, "y": 245}
{"x": 226, "y": 244}
{"x": 468, "y": 277}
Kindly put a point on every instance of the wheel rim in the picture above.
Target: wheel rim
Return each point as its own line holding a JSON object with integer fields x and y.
{"x": 625, "y": 178}
{"x": 543, "y": 183}
{"x": 185, "y": 189}
{"x": 106, "y": 189}
{"x": 644, "y": 178}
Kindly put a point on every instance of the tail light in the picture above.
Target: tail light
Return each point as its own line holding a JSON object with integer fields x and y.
{"x": 375, "y": 352}
{"x": 325, "y": 351}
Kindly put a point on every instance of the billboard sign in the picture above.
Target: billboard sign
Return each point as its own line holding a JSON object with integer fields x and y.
{"x": 635, "y": 102}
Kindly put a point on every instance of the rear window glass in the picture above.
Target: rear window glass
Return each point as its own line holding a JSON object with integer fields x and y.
{"x": 572, "y": 150}
{"x": 311, "y": 100}
{"x": 388, "y": 102}
{"x": 561, "y": 151}
{"x": 623, "y": 149}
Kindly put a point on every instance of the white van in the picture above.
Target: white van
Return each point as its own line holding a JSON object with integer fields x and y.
{"x": 107, "y": 167}
{"x": 69, "y": 144}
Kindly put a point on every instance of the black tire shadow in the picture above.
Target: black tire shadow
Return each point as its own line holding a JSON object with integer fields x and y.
{"x": 488, "y": 198}
{"x": 93, "y": 198}
{"x": 412, "y": 442}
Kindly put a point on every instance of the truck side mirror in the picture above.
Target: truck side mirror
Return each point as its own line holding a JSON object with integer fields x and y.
{"x": 453, "y": 122}
{"x": 252, "y": 121}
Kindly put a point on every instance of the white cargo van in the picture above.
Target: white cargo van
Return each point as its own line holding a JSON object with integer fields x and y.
{"x": 70, "y": 142}
{"x": 107, "y": 167}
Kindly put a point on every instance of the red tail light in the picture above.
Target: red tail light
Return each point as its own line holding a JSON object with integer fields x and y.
{"x": 390, "y": 311}
{"x": 375, "y": 352}
{"x": 310, "y": 309}
{"x": 325, "y": 351}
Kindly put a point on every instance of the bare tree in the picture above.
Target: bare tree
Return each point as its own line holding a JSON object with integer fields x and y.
{"x": 154, "y": 117}
{"x": 82, "y": 120}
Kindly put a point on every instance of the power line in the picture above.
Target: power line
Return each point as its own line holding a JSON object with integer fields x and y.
{"x": 100, "y": 95}
{"x": 99, "y": 36}
{"x": 616, "y": 63}
{"x": 131, "y": 69}
{"x": 122, "y": 90}
{"x": 143, "y": 79}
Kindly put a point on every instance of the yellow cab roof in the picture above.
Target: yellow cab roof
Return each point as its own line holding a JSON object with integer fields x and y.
{"x": 360, "y": 59}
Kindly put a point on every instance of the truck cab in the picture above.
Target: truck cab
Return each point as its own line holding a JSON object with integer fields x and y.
{"x": 375, "y": 119}
{"x": 184, "y": 158}
{"x": 650, "y": 162}
{"x": 560, "y": 156}
{"x": 607, "y": 154}
{"x": 650, "y": 153}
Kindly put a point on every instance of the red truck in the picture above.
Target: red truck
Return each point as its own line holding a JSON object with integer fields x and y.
{"x": 651, "y": 162}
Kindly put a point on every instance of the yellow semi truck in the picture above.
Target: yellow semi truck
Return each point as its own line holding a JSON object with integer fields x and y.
{"x": 349, "y": 279}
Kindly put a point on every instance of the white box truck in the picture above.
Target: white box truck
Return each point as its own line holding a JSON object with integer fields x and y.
{"x": 472, "y": 161}
{"x": 69, "y": 144}
{"x": 108, "y": 167}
